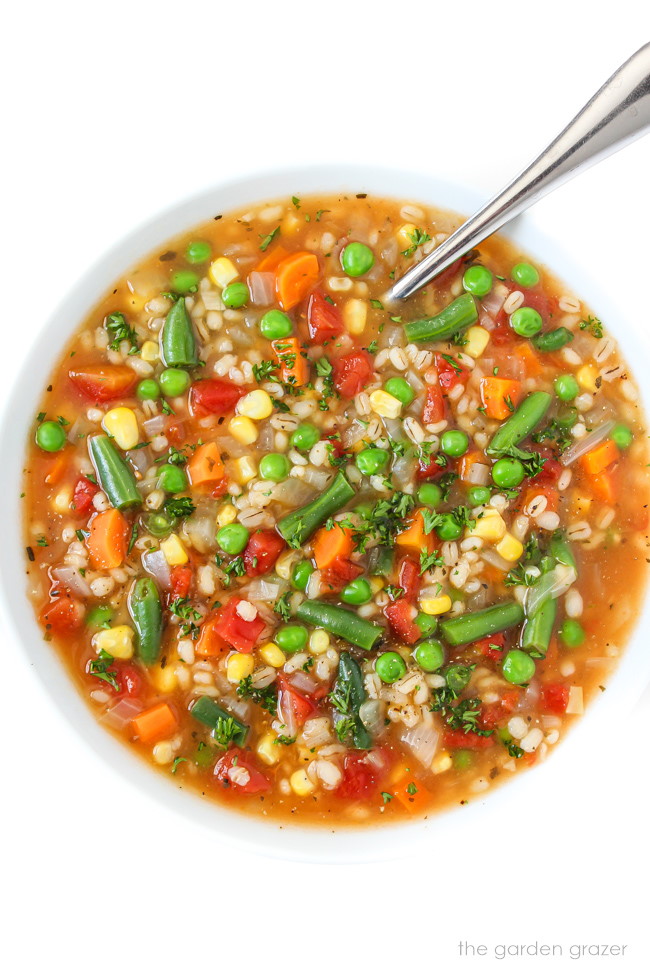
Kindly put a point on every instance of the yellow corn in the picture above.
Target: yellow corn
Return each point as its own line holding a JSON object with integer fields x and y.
{"x": 272, "y": 655}
{"x": 226, "y": 514}
{"x": 490, "y": 526}
{"x": 136, "y": 302}
{"x": 377, "y": 583}
{"x": 477, "y": 340}
{"x": 301, "y": 783}
{"x": 150, "y": 352}
{"x": 243, "y": 430}
{"x": 441, "y": 763}
{"x": 173, "y": 550}
{"x": 118, "y": 641}
{"x": 62, "y": 501}
{"x": 239, "y": 666}
{"x": 246, "y": 469}
{"x": 319, "y": 641}
{"x": 284, "y": 564}
{"x": 268, "y": 751}
{"x": 355, "y": 312}
{"x": 405, "y": 235}
{"x": 384, "y": 404}
{"x": 291, "y": 224}
{"x": 436, "y": 606}
{"x": 580, "y": 504}
{"x": 122, "y": 425}
{"x": 256, "y": 405}
{"x": 510, "y": 548}
{"x": 587, "y": 377}
{"x": 163, "y": 678}
{"x": 222, "y": 272}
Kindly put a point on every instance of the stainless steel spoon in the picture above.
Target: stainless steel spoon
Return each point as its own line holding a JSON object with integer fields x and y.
{"x": 616, "y": 115}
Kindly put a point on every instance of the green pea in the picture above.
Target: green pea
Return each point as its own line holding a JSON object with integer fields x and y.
{"x": 371, "y": 460}
{"x": 356, "y": 259}
{"x": 525, "y": 274}
{"x": 100, "y": 617}
{"x": 400, "y": 389}
{"x": 477, "y": 280}
{"x": 357, "y": 592}
{"x": 572, "y": 633}
{"x": 426, "y": 624}
{"x": 430, "y": 656}
{"x": 508, "y": 472}
{"x": 174, "y": 382}
{"x": 198, "y": 252}
{"x": 275, "y": 324}
{"x": 463, "y": 759}
{"x": 235, "y": 295}
{"x": 526, "y": 322}
{"x": 454, "y": 443}
{"x": 291, "y": 638}
{"x": 300, "y": 574}
{"x": 457, "y": 677}
{"x": 233, "y": 539}
{"x": 304, "y": 437}
{"x": 390, "y": 667}
{"x": 568, "y": 418}
{"x": 566, "y": 387}
{"x": 517, "y": 667}
{"x": 159, "y": 524}
{"x": 448, "y": 530}
{"x": 274, "y": 467}
{"x": 430, "y": 494}
{"x": 50, "y": 436}
{"x": 172, "y": 479}
{"x": 478, "y": 494}
{"x": 622, "y": 436}
{"x": 184, "y": 281}
{"x": 148, "y": 389}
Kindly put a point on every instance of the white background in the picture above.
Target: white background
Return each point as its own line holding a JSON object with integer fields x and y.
{"x": 112, "y": 112}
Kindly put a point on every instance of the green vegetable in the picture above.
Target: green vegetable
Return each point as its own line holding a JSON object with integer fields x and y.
{"x": 381, "y": 561}
{"x": 454, "y": 443}
{"x": 174, "y": 382}
{"x": 357, "y": 592}
{"x": 50, "y": 436}
{"x": 478, "y": 495}
{"x": 372, "y": 460}
{"x": 455, "y": 318}
{"x": 274, "y": 467}
{"x": 356, "y": 259}
{"x": 177, "y": 342}
{"x": 291, "y": 638}
{"x": 208, "y": 713}
{"x": 274, "y": 324}
{"x": 300, "y": 574}
{"x": 172, "y": 479}
{"x": 571, "y": 633}
{"x": 390, "y": 667}
{"x": 400, "y": 389}
{"x": 552, "y": 341}
{"x": 160, "y": 523}
{"x": 184, "y": 281}
{"x": 304, "y": 437}
{"x": 426, "y": 624}
{"x": 430, "y": 655}
{"x": 622, "y": 436}
{"x": 474, "y": 626}
{"x": 457, "y": 677}
{"x": 518, "y": 667}
{"x": 145, "y": 610}
{"x": 448, "y": 529}
{"x": 560, "y": 550}
{"x": 347, "y": 697}
{"x": 526, "y": 322}
{"x": 148, "y": 389}
{"x": 341, "y": 622}
{"x": 508, "y": 472}
{"x": 235, "y": 295}
{"x": 115, "y": 477}
{"x": 198, "y": 252}
{"x": 525, "y": 275}
{"x": 521, "y": 424}
{"x": 538, "y": 629}
{"x": 297, "y": 526}
{"x": 233, "y": 538}
{"x": 100, "y": 617}
{"x": 430, "y": 494}
{"x": 566, "y": 387}
{"x": 477, "y": 280}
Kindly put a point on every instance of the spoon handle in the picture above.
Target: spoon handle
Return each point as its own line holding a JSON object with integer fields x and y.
{"x": 611, "y": 119}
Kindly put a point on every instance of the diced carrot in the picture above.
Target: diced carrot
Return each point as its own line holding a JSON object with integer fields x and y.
{"x": 209, "y": 643}
{"x": 414, "y": 536}
{"x": 206, "y": 467}
{"x": 602, "y": 486}
{"x": 411, "y": 793}
{"x": 295, "y": 278}
{"x": 467, "y": 462}
{"x": 499, "y": 396}
{"x": 332, "y": 544}
{"x": 108, "y": 539}
{"x": 155, "y": 723}
{"x": 272, "y": 258}
{"x": 56, "y": 468}
{"x": 525, "y": 352}
{"x": 600, "y": 457}
{"x": 293, "y": 362}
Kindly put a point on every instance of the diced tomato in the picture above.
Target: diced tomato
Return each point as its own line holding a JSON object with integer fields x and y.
{"x": 433, "y": 410}
{"x": 359, "y": 780}
{"x": 214, "y": 397}
{"x": 239, "y": 633}
{"x": 294, "y": 707}
{"x": 409, "y": 578}
{"x": 342, "y": 571}
{"x": 466, "y": 739}
{"x": 128, "y": 677}
{"x": 334, "y": 439}
{"x": 82, "y": 498}
{"x": 401, "y": 615}
{"x": 237, "y": 758}
{"x": 104, "y": 382}
{"x": 502, "y": 335}
{"x": 262, "y": 551}
{"x": 447, "y": 276}
{"x": 494, "y": 715}
{"x": 430, "y": 470}
{"x": 491, "y": 647}
{"x": 63, "y": 615}
{"x": 323, "y": 318}
{"x": 537, "y": 299}
{"x": 450, "y": 371}
{"x": 551, "y": 470}
{"x": 352, "y": 372}
{"x": 181, "y": 578}
{"x": 175, "y": 431}
{"x": 554, "y": 698}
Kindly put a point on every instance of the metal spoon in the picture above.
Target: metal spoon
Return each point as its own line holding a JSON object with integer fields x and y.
{"x": 616, "y": 115}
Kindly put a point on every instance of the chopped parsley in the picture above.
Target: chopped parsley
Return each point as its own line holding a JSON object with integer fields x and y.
{"x": 417, "y": 237}
{"x": 593, "y": 325}
{"x": 182, "y": 608}
{"x": 179, "y": 507}
{"x": 268, "y": 239}
{"x": 120, "y": 331}
{"x": 266, "y": 697}
{"x": 266, "y": 369}
{"x": 226, "y": 730}
{"x": 283, "y": 740}
{"x": 282, "y": 607}
{"x": 100, "y": 667}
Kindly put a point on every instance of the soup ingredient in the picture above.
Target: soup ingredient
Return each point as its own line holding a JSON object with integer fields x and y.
{"x": 390, "y": 667}
{"x": 275, "y": 324}
{"x": 50, "y": 436}
{"x": 526, "y": 322}
{"x": 115, "y": 477}
{"x": 341, "y": 622}
{"x": 357, "y": 259}
{"x": 518, "y": 667}
{"x": 146, "y": 612}
{"x": 297, "y": 526}
{"x": 177, "y": 342}
{"x": 525, "y": 275}
{"x": 474, "y": 626}
{"x": 452, "y": 320}
{"x": 521, "y": 424}
{"x": 478, "y": 280}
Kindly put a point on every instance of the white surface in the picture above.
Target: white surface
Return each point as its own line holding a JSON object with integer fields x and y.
{"x": 115, "y": 116}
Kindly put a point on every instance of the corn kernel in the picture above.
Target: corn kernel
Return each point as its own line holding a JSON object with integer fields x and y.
{"x": 477, "y": 339}
{"x": 436, "y": 606}
{"x": 291, "y": 224}
{"x": 173, "y": 550}
{"x": 150, "y": 352}
{"x": 256, "y": 405}
{"x": 268, "y": 751}
{"x": 580, "y": 504}
{"x": 377, "y": 583}
{"x": 118, "y": 641}
{"x": 284, "y": 564}
{"x": 136, "y": 302}
{"x": 239, "y": 666}
{"x": 405, "y": 235}
{"x": 441, "y": 763}
{"x": 384, "y": 404}
{"x": 243, "y": 430}
{"x": 62, "y": 501}
{"x": 272, "y": 655}
{"x": 587, "y": 377}
{"x": 122, "y": 425}
{"x": 226, "y": 514}
{"x": 319, "y": 641}
{"x": 246, "y": 469}
{"x": 301, "y": 783}
{"x": 491, "y": 527}
{"x": 510, "y": 548}
{"x": 355, "y": 312}
{"x": 222, "y": 272}
{"x": 163, "y": 678}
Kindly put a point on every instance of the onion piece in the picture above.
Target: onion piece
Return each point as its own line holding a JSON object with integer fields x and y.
{"x": 140, "y": 459}
{"x": 292, "y": 492}
{"x": 239, "y": 707}
{"x": 70, "y": 578}
{"x": 489, "y": 555}
{"x": 261, "y": 285}
{"x": 372, "y": 716}
{"x": 550, "y": 586}
{"x": 355, "y": 432}
{"x": 403, "y": 471}
{"x": 478, "y": 474}
{"x": 422, "y": 740}
{"x": 303, "y": 682}
{"x": 261, "y": 588}
{"x": 122, "y": 713}
{"x": 587, "y": 443}
{"x": 154, "y": 425}
{"x": 156, "y": 565}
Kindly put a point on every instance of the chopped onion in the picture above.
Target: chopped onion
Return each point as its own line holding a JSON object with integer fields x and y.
{"x": 292, "y": 492}
{"x": 529, "y": 699}
{"x": 303, "y": 682}
{"x": 156, "y": 565}
{"x": 261, "y": 588}
{"x": 78, "y": 429}
{"x": 122, "y": 713}
{"x": 239, "y": 707}
{"x": 154, "y": 426}
{"x": 489, "y": 555}
{"x": 372, "y": 716}
{"x": 71, "y": 579}
{"x": 199, "y": 528}
{"x": 415, "y": 381}
{"x": 266, "y": 438}
{"x": 422, "y": 739}
{"x": 261, "y": 285}
{"x": 551, "y": 585}
{"x": 355, "y": 432}
{"x": 392, "y": 335}
{"x": 478, "y": 474}
{"x": 403, "y": 471}
{"x": 587, "y": 443}
{"x": 140, "y": 459}
{"x": 287, "y": 717}
{"x": 493, "y": 302}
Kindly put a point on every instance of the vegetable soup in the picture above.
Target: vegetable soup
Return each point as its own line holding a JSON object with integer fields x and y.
{"x": 324, "y": 558}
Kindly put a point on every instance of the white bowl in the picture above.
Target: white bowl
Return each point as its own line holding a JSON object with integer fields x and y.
{"x": 513, "y": 799}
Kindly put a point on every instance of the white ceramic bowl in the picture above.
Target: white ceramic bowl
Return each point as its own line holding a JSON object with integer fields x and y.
{"x": 509, "y": 801}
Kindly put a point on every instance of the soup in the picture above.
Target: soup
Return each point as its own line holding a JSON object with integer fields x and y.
{"x": 326, "y": 559}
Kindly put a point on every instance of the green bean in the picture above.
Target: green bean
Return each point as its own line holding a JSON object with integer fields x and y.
{"x": 456, "y": 317}
{"x": 177, "y": 343}
{"x": 539, "y": 628}
{"x": 145, "y": 610}
{"x": 381, "y": 561}
{"x": 115, "y": 477}
{"x": 209, "y": 713}
{"x": 552, "y": 341}
{"x": 561, "y": 551}
{"x": 341, "y": 622}
{"x": 474, "y": 626}
{"x": 522, "y": 422}
{"x": 348, "y": 696}
{"x": 297, "y": 526}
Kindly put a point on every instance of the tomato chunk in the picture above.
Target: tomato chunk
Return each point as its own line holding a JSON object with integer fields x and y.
{"x": 466, "y": 739}
{"x": 491, "y": 647}
{"x": 401, "y": 615}
{"x": 63, "y": 614}
{"x": 352, "y": 372}
{"x": 409, "y": 577}
{"x": 294, "y": 707}
{"x": 359, "y": 780}
{"x": 554, "y": 698}
{"x": 82, "y": 498}
{"x": 128, "y": 678}
{"x": 340, "y": 572}
{"x": 240, "y": 633}
{"x": 181, "y": 578}
{"x": 323, "y": 318}
{"x": 433, "y": 410}
{"x": 229, "y": 772}
{"x": 450, "y": 371}
{"x": 262, "y": 551}
{"x": 214, "y": 397}
{"x": 104, "y": 382}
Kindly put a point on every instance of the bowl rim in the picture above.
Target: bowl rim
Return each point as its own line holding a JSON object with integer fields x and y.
{"x": 250, "y": 832}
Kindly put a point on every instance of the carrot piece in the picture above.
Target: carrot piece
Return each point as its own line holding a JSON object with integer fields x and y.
{"x": 295, "y": 277}
{"x": 414, "y": 536}
{"x": 496, "y": 394}
{"x": 411, "y": 793}
{"x": 206, "y": 466}
{"x": 525, "y": 352}
{"x": 331, "y": 544}
{"x": 293, "y": 364}
{"x": 56, "y": 468}
{"x": 467, "y": 461}
{"x": 600, "y": 457}
{"x": 602, "y": 486}
{"x": 272, "y": 258}
{"x": 108, "y": 539}
{"x": 209, "y": 643}
{"x": 154, "y": 723}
